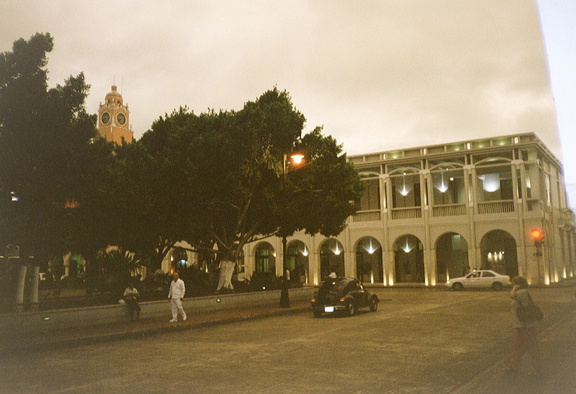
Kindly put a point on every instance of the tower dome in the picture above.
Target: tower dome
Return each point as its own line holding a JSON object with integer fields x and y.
{"x": 114, "y": 118}
{"x": 114, "y": 98}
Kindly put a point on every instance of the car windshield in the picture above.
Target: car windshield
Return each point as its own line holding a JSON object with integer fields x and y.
{"x": 334, "y": 286}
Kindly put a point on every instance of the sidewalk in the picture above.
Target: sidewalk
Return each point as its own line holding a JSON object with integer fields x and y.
{"x": 558, "y": 346}
{"x": 137, "y": 329}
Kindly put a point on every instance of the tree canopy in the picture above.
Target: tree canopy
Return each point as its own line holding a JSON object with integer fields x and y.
{"x": 45, "y": 149}
{"x": 219, "y": 177}
{"x": 225, "y": 172}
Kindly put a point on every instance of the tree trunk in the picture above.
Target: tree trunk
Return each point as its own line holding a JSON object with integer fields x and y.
{"x": 226, "y": 272}
{"x": 34, "y": 287}
{"x": 19, "y": 300}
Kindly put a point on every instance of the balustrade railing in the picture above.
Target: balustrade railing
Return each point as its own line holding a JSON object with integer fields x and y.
{"x": 407, "y": 213}
{"x": 486, "y": 207}
{"x": 366, "y": 216}
{"x": 449, "y": 210}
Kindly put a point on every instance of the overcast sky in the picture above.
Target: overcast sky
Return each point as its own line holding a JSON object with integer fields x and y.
{"x": 378, "y": 75}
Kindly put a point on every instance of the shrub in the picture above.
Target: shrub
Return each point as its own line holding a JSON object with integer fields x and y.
{"x": 197, "y": 281}
{"x": 265, "y": 281}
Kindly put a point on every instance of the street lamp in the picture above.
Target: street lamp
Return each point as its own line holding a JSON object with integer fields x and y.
{"x": 537, "y": 235}
{"x": 297, "y": 159}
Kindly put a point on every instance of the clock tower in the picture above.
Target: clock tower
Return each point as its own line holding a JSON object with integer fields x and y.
{"x": 113, "y": 118}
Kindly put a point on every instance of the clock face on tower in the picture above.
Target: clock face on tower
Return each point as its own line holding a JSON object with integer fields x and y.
{"x": 121, "y": 118}
{"x": 105, "y": 117}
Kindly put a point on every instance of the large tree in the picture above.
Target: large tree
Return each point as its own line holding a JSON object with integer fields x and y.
{"x": 228, "y": 179}
{"x": 45, "y": 136}
{"x": 44, "y": 141}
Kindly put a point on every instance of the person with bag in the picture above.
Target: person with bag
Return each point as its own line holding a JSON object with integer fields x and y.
{"x": 525, "y": 324}
{"x": 131, "y": 298}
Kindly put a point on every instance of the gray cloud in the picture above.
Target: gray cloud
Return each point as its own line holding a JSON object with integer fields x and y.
{"x": 377, "y": 74}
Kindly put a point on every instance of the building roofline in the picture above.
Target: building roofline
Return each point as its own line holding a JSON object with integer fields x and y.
{"x": 451, "y": 148}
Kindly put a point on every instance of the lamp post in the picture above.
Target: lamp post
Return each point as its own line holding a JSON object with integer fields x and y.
{"x": 297, "y": 159}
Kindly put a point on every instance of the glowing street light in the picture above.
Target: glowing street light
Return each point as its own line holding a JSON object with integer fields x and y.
{"x": 537, "y": 236}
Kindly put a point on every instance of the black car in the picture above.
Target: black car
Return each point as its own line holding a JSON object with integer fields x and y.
{"x": 344, "y": 295}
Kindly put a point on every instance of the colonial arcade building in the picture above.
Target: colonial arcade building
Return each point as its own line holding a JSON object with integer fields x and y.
{"x": 433, "y": 213}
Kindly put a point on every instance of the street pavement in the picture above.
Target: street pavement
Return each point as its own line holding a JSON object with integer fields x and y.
{"x": 558, "y": 343}
{"x": 57, "y": 339}
{"x": 405, "y": 363}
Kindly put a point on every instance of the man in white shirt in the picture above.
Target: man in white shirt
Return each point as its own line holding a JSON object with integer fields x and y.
{"x": 175, "y": 295}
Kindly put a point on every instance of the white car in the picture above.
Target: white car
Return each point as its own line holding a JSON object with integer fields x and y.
{"x": 480, "y": 279}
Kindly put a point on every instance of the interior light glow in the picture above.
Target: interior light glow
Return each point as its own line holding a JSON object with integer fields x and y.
{"x": 443, "y": 187}
{"x": 304, "y": 252}
{"x": 405, "y": 190}
{"x": 337, "y": 250}
{"x": 370, "y": 249}
{"x": 407, "y": 248}
{"x": 491, "y": 182}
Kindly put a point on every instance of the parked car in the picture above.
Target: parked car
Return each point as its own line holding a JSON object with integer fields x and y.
{"x": 480, "y": 279}
{"x": 343, "y": 295}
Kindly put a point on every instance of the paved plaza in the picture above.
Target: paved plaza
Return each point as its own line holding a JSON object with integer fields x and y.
{"x": 420, "y": 340}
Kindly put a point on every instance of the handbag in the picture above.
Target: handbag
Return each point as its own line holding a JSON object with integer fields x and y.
{"x": 530, "y": 312}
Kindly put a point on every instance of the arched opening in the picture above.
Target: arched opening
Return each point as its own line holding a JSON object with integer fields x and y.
{"x": 265, "y": 258}
{"x": 179, "y": 259}
{"x": 409, "y": 260}
{"x": 498, "y": 250}
{"x": 331, "y": 258}
{"x": 369, "y": 267}
{"x": 451, "y": 257}
{"x": 297, "y": 261}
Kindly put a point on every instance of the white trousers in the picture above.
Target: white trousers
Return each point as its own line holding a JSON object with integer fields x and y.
{"x": 177, "y": 307}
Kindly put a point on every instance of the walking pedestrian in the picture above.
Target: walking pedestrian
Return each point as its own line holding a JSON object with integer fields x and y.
{"x": 175, "y": 295}
{"x": 131, "y": 297}
{"x": 524, "y": 332}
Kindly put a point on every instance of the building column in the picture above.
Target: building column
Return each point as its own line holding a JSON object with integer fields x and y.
{"x": 390, "y": 262}
{"x": 349, "y": 255}
{"x": 314, "y": 261}
{"x": 433, "y": 268}
{"x": 478, "y": 254}
{"x": 384, "y": 266}
{"x": 470, "y": 190}
{"x": 426, "y": 180}
{"x": 349, "y": 264}
{"x": 427, "y": 265}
